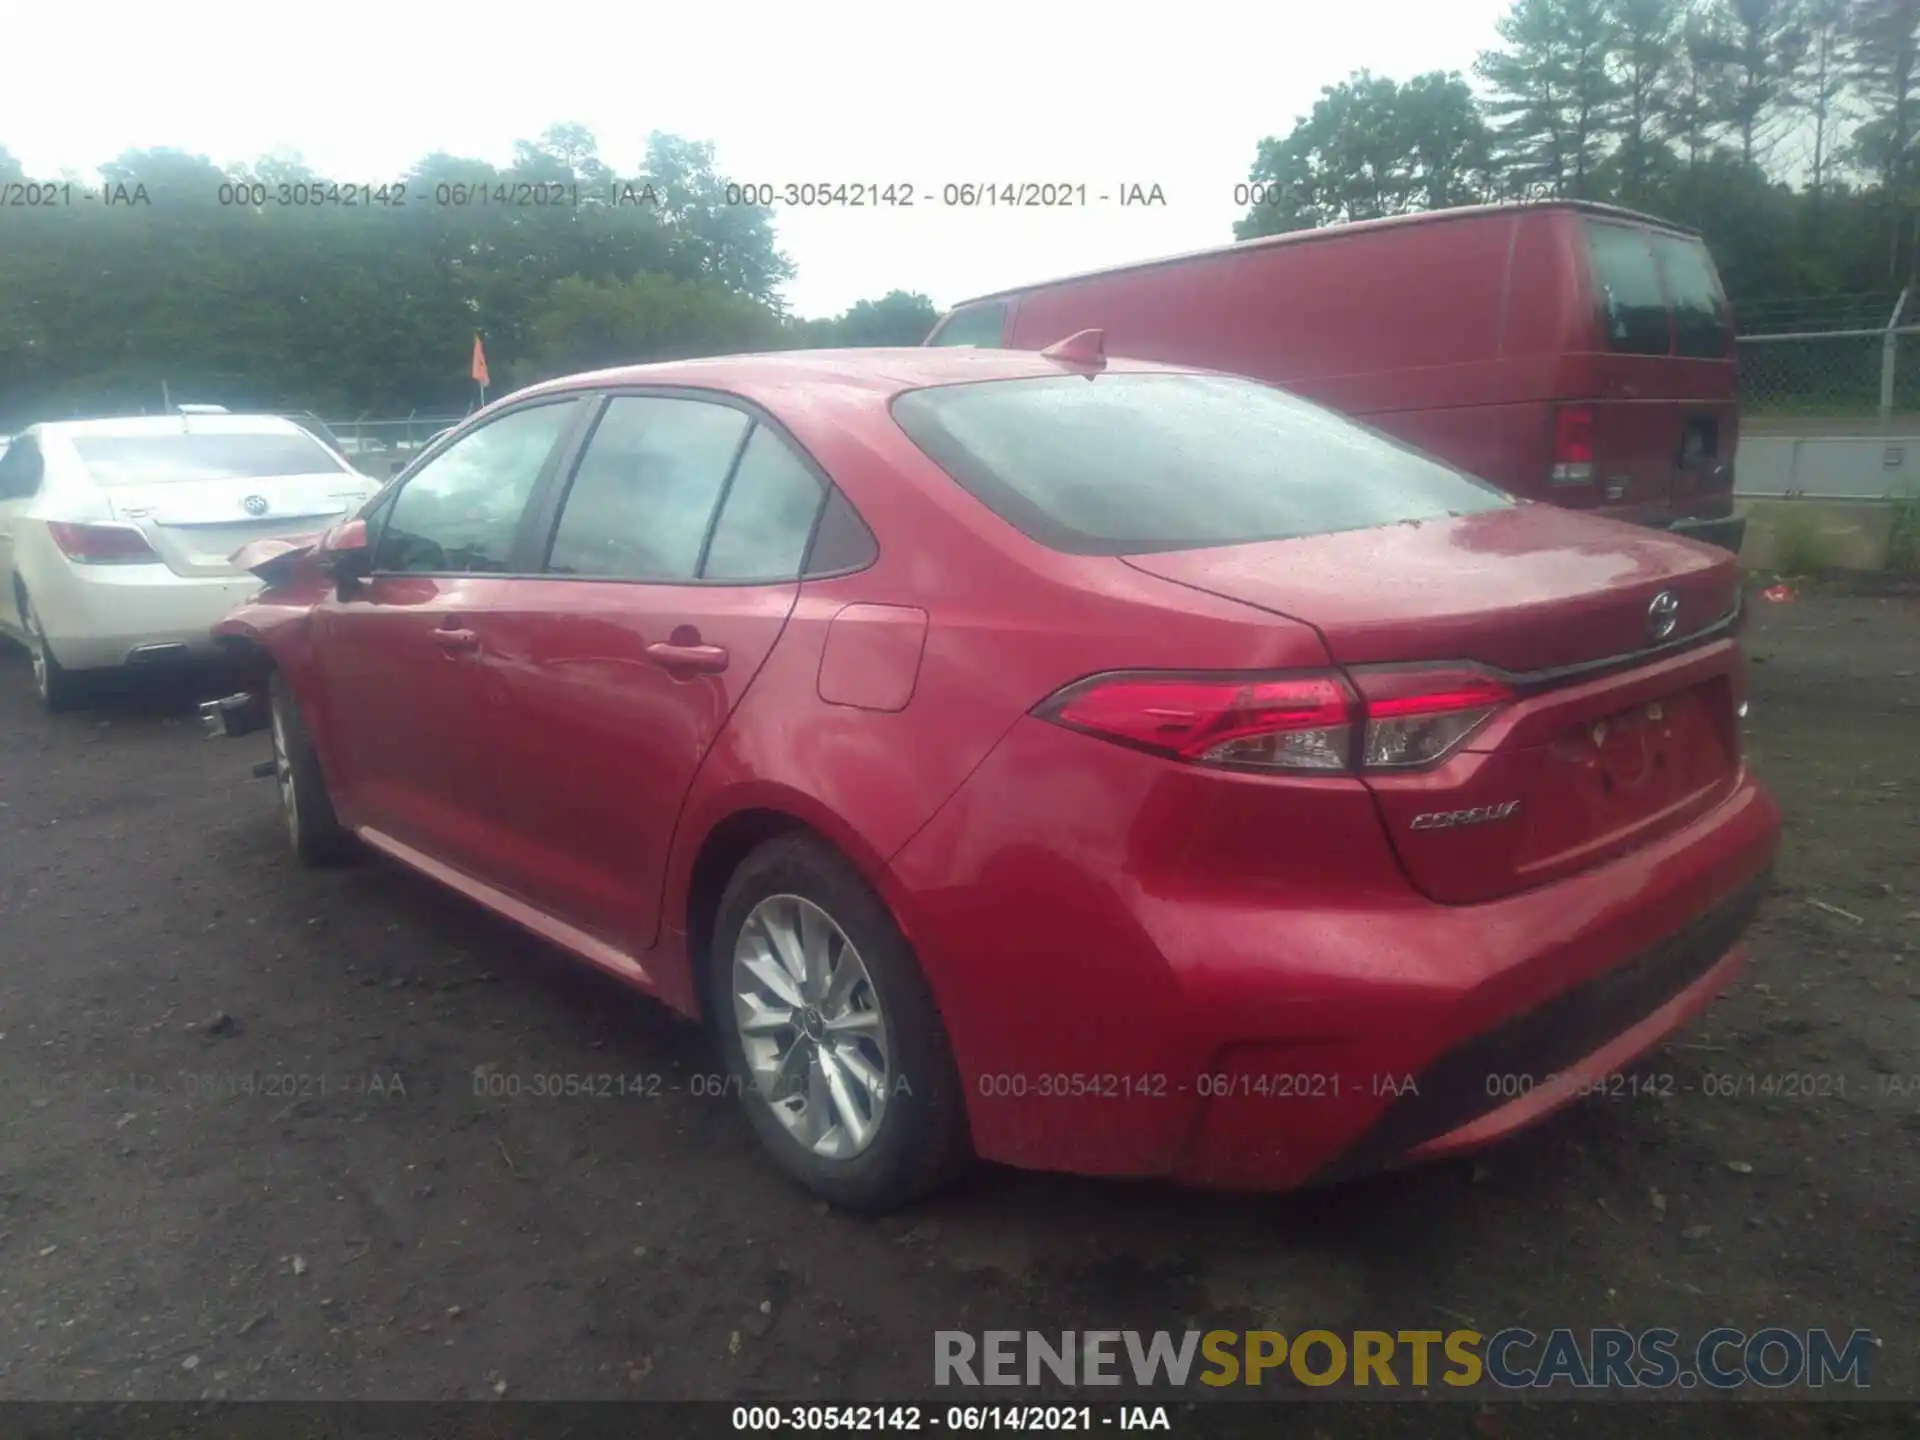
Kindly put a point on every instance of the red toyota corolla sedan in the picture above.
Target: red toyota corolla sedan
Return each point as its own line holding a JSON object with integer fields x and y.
{"x": 1084, "y": 764}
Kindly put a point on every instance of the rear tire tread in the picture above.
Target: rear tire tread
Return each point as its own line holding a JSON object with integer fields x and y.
{"x": 63, "y": 690}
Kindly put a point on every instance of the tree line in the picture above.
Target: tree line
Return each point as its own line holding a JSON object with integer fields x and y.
{"x": 1787, "y": 131}
{"x": 262, "y": 287}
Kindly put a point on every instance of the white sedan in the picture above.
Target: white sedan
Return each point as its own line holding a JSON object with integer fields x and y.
{"x": 115, "y": 535}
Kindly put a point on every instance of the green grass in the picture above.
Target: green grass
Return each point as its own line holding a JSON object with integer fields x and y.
{"x": 1799, "y": 547}
{"x": 1903, "y": 538}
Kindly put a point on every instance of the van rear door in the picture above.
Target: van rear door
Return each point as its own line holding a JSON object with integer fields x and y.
{"x": 1654, "y": 442}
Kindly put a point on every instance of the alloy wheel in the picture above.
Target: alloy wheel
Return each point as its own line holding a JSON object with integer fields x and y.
{"x": 811, "y": 1027}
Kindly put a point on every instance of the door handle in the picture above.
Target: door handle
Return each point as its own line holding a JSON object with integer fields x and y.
{"x": 706, "y": 659}
{"x": 456, "y": 640}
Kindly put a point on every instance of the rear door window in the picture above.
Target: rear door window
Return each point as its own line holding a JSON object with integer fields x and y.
{"x": 767, "y": 517}
{"x": 1633, "y": 307}
{"x": 1702, "y": 327}
{"x": 1137, "y": 463}
{"x": 642, "y": 501}
{"x": 980, "y": 325}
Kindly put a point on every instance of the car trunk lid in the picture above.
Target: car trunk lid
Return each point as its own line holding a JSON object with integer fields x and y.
{"x": 196, "y": 526}
{"x": 1618, "y": 728}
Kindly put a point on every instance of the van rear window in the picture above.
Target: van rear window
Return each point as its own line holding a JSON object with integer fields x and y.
{"x": 1701, "y": 324}
{"x": 1131, "y": 464}
{"x": 982, "y": 325}
{"x": 1633, "y": 307}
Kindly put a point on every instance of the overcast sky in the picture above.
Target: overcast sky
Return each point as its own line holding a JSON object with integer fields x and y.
{"x": 986, "y": 91}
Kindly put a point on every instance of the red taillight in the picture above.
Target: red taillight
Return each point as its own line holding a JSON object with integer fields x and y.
{"x": 1419, "y": 717}
{"x": 1573, "y": 445}
{"x": 1402, "y": 720}
{"x": 1278, "y": 723}
{"x": 101, "y": 544}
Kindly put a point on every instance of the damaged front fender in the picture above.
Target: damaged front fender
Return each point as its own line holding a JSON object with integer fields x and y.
{"x": 277, "y": 559}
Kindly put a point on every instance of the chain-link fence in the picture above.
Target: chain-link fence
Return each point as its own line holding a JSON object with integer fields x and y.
{"x": 1858, "y": 379}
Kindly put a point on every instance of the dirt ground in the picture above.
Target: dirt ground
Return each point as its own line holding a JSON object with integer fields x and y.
{"x": 357, "y": 1222}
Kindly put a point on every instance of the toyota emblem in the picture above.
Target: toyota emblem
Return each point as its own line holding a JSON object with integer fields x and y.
{"x": 1662, "y": 615}
{"x": 254, "y": 504}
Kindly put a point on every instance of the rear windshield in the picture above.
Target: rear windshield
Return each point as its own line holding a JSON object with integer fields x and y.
{"x": 162, "y": 459}
{"x": 982, "y": 326}
{"x": 1133, "y": 464}
{"x": 1633, "y": 307}
{"x": 1701, "y": 325}
{"x": 1638, "y": 273}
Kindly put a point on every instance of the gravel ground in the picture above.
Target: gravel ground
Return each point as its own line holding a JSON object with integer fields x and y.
{"x": 244, "y": 1152}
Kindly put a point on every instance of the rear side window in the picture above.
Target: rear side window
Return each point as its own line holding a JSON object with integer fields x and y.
{"x": 768, "y": 516}
{"x": 20, "y": 468}
{"x": 1633, "y": 308}
{"x": 161, "y": 459}
{"x": 1702, "y": 327}
{"x": 1132, "y": 464}
{"x": 981, "y": 325}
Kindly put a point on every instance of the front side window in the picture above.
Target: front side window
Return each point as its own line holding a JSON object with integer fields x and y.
{"x": 643, "y": 497}
{"x": 460, "y": 512}
{"x": 1633, "y": 308}
{"x": 1138, "y": 463}
{"x": 114, "y": 460}
{"x": 980, "y": 325}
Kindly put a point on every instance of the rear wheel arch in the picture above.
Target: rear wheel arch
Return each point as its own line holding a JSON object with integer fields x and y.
{"x": 726, "y": 846}
{"x": 874, "y": 1045}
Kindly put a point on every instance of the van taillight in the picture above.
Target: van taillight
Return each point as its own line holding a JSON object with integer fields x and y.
{"x": 101, "y": 544}
{"x": 1300, "y": 723}
{"x": 1572, "y": 445}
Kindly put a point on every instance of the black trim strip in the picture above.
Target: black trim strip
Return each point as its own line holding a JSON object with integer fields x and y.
{"x": 1496, "y": 1067}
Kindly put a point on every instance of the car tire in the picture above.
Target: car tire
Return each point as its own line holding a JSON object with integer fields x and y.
{"x": 60, "y": 689}
{"x": 875, "y": 1020}
{"x": 306, "y": 809}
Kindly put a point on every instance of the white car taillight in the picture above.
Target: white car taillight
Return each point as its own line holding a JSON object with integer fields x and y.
{"x": 102, "y": 544}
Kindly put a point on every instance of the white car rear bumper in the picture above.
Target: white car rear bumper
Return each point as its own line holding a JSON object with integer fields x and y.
{"x": 99, "y": 616}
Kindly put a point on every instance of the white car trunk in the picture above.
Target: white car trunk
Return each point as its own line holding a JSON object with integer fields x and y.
{"x": 196, "y": 525}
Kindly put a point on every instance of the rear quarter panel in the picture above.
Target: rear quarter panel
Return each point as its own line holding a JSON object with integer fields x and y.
{"x": 1009, "y": 622}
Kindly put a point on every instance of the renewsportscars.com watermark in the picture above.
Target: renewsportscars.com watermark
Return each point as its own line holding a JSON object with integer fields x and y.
{"x": 1606, "y": 1359}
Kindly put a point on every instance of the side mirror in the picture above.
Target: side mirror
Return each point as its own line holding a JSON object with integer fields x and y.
{"x": 344, "y": 552}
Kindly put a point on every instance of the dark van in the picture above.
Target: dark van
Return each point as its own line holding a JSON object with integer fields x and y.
{"x": 1569, "y": 352}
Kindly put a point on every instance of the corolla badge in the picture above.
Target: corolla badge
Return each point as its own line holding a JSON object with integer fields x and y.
{"x": 1662, "y": 615}
{"x": 254, "y": 504}
{"x": 1448, "y": 819}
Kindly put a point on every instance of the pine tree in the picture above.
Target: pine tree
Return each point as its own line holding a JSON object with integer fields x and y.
{"x": 1554, "y": 100}
{"x": 1642, "y": 57}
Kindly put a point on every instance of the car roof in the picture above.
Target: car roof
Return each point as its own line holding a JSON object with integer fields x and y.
{"x": 883, "y": 373}
{"x": 136, "y": 426}
{"x": 1417, "y": 219}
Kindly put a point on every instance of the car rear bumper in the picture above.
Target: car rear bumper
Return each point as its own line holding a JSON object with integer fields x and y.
{"x": 1729, "y": 532}
{"x": 1114, "y": 1011}
{"x": 104, "y": 616}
